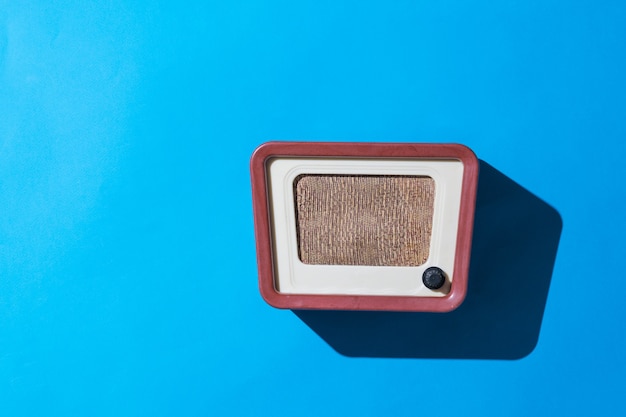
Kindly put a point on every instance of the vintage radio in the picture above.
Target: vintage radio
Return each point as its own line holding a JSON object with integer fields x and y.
{"x": 363, "y": 226}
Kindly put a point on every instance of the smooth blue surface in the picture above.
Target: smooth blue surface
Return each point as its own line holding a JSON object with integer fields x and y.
{"x": 127, "y": 254}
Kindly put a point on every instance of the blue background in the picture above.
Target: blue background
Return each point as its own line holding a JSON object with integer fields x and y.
{"x": 127, "y": 255}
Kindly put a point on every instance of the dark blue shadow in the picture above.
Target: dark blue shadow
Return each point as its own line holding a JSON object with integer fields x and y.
{"x": 516, "y": 236}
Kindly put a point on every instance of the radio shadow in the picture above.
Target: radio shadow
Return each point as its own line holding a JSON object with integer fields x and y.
{"x": 516, "y": 236}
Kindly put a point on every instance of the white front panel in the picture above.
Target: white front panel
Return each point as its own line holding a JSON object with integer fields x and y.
{"x": 294, "y": 277}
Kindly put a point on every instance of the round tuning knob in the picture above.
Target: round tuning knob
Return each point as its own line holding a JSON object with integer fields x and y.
{"x": 434, "y": 278}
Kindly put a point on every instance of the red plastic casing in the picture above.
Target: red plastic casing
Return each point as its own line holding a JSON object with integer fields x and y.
{"x": 422, "y": 151}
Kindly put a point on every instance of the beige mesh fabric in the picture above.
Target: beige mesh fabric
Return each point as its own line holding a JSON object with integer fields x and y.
{"x": 364, "y": 220}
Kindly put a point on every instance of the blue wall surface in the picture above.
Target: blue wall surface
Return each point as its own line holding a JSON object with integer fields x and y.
{"x": 128, "y": 282}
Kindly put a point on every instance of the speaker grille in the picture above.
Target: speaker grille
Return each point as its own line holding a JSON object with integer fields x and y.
{"x": 364, "y": 219}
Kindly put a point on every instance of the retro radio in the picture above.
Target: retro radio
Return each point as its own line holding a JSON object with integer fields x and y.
{"x": 363, "y": 226}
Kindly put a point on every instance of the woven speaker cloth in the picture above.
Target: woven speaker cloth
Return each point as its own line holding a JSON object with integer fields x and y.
{"x": 364, "y": 219}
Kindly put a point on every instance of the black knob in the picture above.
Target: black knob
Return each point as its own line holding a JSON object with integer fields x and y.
{"x": 434, "y": 278}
